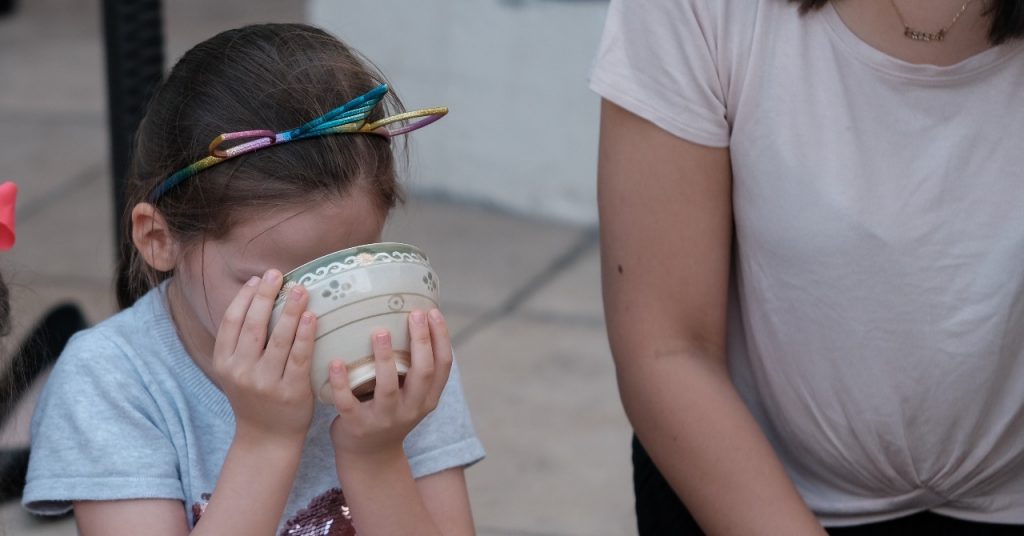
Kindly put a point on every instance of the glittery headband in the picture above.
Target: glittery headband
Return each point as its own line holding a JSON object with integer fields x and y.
{"x": 348, "y": 118}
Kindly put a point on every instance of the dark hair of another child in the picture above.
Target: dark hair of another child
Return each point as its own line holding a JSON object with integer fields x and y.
{"x": 269, "y": 76}
{"x": 1007, "y": 18}
{"x": 5, "y": 308}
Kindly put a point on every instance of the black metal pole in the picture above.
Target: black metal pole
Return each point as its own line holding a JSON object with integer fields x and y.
{"x": 133, "y": 32}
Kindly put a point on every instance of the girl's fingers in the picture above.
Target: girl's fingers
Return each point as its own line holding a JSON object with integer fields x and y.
{"x": 231, "y": 323}
{"x": 254, "y": 328}
{"x": 346, "y": 403}
{"x": 282, "y": 338}
{"x": 385, "y": 394}
{"x": 419, "y": 379}
{"x": 301, "y": 355}
{"x": 441, "y": 343}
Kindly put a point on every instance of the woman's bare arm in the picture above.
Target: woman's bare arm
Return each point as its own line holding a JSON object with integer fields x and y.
{"x": 666, "y": 230}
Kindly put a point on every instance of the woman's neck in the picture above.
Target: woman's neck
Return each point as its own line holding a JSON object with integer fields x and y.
{"x": 877, "y": 23}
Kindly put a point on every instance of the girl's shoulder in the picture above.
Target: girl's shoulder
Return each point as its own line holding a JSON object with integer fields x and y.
{"x": 103, "y": 425}
{"x": 126, "y": 343}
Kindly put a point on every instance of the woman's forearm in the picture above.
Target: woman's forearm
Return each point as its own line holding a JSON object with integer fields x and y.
{"x": 706, "y": 443}
{"x": 253, "y": 487}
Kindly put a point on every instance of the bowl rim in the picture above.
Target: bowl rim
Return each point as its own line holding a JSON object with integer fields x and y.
{"x": 407, "y": 251}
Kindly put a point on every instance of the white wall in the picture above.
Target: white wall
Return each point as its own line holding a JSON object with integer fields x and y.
{"x": 522, "y": 130}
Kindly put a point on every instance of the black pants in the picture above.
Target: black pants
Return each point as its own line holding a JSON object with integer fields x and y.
{"x": 659, "y": 512}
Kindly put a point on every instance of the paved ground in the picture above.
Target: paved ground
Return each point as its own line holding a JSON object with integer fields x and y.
{"x": 522, "y": 295}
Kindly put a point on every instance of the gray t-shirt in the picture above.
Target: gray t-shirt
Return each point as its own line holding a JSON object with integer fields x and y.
{"x": 127, "y": 414}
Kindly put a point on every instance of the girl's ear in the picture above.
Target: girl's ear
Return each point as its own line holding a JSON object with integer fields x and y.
{"x": 152, "y": 238}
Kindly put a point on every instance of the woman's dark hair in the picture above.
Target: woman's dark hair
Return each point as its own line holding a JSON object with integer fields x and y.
{"x": 1007, "y": 18}
{"x": 269, "y": 76}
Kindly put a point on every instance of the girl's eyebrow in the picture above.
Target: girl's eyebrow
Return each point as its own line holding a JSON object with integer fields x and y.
{"x": 245, "y": 263}
{"x": 245, "y": 271}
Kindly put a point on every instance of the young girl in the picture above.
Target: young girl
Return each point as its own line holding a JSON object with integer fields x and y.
{"x": 183, "y": 412}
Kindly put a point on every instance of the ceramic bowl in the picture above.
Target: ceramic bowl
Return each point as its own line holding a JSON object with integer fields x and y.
{"x": 354, "y": 292}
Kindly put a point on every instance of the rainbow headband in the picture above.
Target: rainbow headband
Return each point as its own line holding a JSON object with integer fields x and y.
{"x": 349, "y": 118}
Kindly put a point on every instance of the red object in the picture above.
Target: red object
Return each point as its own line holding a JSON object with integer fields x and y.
{"x": 8, "y": 195}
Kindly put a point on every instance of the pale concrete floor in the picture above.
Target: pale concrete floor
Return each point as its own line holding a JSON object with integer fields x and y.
{"x": 522, "y": 295}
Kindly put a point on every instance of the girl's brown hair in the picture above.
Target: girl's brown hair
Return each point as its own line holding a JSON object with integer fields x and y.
{"x": 269, "y": 76}
{"x": 1007, "y": 18}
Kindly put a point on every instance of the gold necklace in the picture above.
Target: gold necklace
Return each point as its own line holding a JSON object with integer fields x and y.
{"x": 918, "y": 35}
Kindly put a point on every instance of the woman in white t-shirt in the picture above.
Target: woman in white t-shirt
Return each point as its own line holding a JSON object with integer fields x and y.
{"x": 813, "y": 260}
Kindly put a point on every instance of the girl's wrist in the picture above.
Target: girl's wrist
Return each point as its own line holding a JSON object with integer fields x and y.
{"x": 370, "y": 460}
{"x": 263, "y": 439}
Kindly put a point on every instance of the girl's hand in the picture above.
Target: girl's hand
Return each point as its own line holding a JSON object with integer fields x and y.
{"x": 380, "y": 425}
{"x": 267, "y": 382}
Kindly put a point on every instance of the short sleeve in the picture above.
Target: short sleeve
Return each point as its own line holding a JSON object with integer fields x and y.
{"x": 97, "y": 433}
{"x": 445, "y": 438}
{"x": 658, "y": 59}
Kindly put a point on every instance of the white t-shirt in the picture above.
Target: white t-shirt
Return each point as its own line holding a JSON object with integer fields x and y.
{"x": 878, "y": 335}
